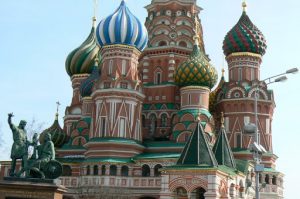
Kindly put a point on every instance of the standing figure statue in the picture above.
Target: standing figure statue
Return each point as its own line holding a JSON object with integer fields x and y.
{"x": 19, "y": 148}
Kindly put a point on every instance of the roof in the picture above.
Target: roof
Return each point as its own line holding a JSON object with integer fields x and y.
{"x": 156, "y": 156}
{"x": 222, "y": 150}
{"x": 197, "y": 151}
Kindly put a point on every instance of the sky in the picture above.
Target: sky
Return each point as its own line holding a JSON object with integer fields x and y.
{"x": 37, "y": 35}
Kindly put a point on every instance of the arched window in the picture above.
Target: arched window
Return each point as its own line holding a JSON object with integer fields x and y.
{"x": 162, "y": 43}
{"x": 88, "y": 170}
{"x": 153, "y": 124}
{"x": 274, "y": 180}
{"x": 183, "y": 44}
{"x": 113, "y": 170}
{"x": 96, "y": 170}
{"x": 267, "y": 178}
{"x": 124, "y": 171}
{"x": 158, "y": 78}
{"x": 156, "y": 170}
{"x": 103, "y": 170}
{"x": 67, "y": 170}
{"x": 145, "y": 171}
{"x": 164, "y": 120}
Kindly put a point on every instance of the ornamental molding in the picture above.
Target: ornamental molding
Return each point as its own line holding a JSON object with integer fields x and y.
{"x": 236, "y": 89}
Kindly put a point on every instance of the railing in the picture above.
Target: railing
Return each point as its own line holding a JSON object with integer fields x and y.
{"x": 272, "y": 189}
{"x": 111, "y": 181}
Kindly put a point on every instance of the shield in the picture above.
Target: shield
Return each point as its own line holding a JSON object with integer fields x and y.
{"x": 53, "y": 169}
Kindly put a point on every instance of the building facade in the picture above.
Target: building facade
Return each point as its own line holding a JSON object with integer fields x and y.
{"x": 148, "y": 118}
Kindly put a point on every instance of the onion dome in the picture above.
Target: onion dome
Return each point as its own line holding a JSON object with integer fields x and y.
{"x": 244, "y": 37}
{"x": 81, "y": 60}
{"x": 87, "y": 84}
{"x": 122, "y": 27}
{"x": 196, "y": 71}
{"x": 58, "y": 136}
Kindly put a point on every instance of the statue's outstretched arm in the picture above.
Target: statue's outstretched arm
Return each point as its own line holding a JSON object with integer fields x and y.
{"x": 10, "y": 115}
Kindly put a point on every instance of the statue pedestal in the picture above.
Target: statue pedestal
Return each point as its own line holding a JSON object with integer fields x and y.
{"x": 21, "y": 188}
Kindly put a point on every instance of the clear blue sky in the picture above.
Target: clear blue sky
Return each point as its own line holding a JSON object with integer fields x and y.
{"x": 36, "y": 37}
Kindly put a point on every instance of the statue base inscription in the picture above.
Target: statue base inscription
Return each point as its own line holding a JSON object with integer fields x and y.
{"x": 22, "y": 188}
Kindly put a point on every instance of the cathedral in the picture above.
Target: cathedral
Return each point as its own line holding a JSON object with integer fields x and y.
{"x": 149, "y": 117}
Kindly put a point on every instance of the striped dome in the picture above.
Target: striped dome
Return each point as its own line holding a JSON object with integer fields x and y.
{"x": 58, "y": 135}
{"x": 244, "y": 37}
{"x": 122, "y": 27}
{"x": 81, "y": 60}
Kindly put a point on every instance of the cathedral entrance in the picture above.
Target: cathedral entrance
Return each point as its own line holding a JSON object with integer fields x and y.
{"x": 198, "y": 193}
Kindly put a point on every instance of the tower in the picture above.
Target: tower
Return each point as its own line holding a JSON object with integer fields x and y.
{"x": 244, "y": 47}
{"x": 171, "y": 29}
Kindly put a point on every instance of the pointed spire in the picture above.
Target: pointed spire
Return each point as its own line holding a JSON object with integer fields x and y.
{"x": 196, "y": 30}
{"x": 57, "y": 109}
{"x": 222, "y": 148}
{"x": 197, "y": 151}
{"x": 95, "y": 13}
{"x": 244, "y": 5}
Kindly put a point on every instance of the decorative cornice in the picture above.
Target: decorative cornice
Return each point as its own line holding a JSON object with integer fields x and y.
{"x": 246, "y": 54}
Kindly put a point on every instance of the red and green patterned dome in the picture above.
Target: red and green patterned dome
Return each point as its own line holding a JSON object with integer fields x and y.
{"x": 244, "y": 37}
{"x": 196, "y": 71}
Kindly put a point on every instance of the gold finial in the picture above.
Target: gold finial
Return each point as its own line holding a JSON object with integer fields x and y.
{"x": 197, "y": 27}
{"x": 222, "y": 120}
{"x": 57, "y": 107}
{"x": 97, "y": 61}
{"x": 244, "y": 5}
{"x": 95, "y": 12}
{"x": 223, "y": 72}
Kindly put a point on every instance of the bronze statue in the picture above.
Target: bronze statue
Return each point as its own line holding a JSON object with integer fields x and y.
{"x": 42, "y": 163}
{"x": 19, "y": 148}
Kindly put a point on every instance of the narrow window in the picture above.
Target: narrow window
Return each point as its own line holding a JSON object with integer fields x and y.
{"x": 122, "y": 129}
{"x": 240, "y": 74}
{"x": 164, "y": 120}
{"x": 158, "y": 78}
{"x": 111, "y": 62}
{"x": 103, "y": 126}
{"x": 252, "y": 74}
{"x": 238, "y": 140}
{"x": 190, "y": 100}
{"x": 123, "y": 67}
{"x": 268, "y": 126}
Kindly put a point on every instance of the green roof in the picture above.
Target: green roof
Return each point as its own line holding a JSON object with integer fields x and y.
{"x": 156, "y": 156}
{"x": 109, "y": 160}
{"x": 163, "y": 144}
{"x": 223, "y": 151}
{"x": 116, "y": 140}
{"x": 197, "y": 150}
{"x": 242, "y": 165}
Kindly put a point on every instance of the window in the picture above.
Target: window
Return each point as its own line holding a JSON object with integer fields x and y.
{"x": 124, "y": 171}
{"x": 153, "y": 124}
{"x": 123, "y": 67}
{"x": 190, "y": 100}
{"x": 124, "y": 85}
{"x": 252, "y": 74}
{"x": 110, "y": 67}
{"x": 103, "y": 170}
{"x": 231, "y": 74}
{"x": 162, "y": 43}
{"x": 240, "y": 78}
{"x": 183, "y": 44}
{"x": 96, "y": 170}
{"x": 156, "y": 170}
{"x": 158, "y": 78}
{"x": 102, "y": 126}
{"x": 106, "y": 84}
{"x": 113, "y": 170}
{"x": 267, "y": 126}
{"x": 238, "y": 140}
{"x": 88, "y": 170}
{"x": 227, "y": 124}
{"x": 145, "y": 171}
{"x": 67, "y": 171}
{"x": 122, "y": 128}
{"x": 143, "y": 121}
{"x": 164, "y": 120}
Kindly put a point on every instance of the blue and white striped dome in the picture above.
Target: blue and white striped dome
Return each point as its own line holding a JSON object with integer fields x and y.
{"x": 122, "y": 27}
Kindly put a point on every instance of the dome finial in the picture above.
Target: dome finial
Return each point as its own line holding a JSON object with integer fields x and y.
{"x": 57, "y": 108}
{"x": 222, "y": 120}
{"x": 244, "y": 5}
{"x": 95, "y": 13}
{"x": 197, "y": 26}
{"x": 223, "y": 72}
